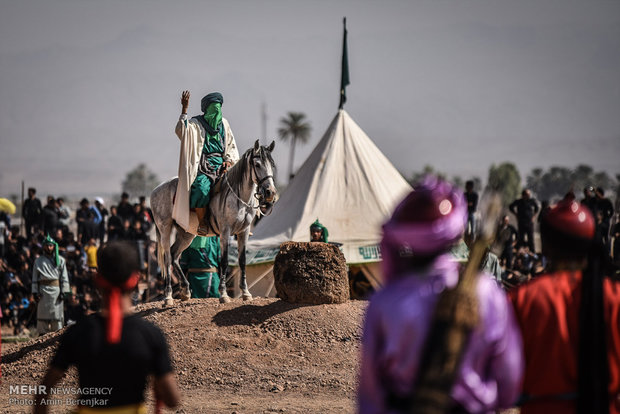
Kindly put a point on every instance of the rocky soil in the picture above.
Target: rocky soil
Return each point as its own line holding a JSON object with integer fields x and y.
{"x": 311, "y": 273}
{"x": 263, "y": 356}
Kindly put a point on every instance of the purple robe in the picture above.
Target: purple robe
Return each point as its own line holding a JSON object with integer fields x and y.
{"x": 397, "y": 322}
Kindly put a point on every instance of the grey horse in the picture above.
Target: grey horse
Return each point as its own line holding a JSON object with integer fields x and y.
{"x": 247, "y": 188}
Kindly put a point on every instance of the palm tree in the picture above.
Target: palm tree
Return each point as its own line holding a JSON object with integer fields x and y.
{"x": 295, "y": 127}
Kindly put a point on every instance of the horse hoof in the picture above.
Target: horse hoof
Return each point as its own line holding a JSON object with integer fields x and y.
{"x": 168, "y": 302}
{"x": 247, "y": 297}
{"x": 224, "y": 299}
{"x": 184, "y": 296}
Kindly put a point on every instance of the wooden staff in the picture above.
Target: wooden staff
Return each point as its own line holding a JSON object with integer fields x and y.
{"x": 456, "y": 316}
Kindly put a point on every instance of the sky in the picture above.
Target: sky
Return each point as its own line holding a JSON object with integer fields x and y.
{"x": 90, "y": 89}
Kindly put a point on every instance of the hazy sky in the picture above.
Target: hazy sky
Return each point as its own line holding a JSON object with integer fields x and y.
{"x": 90, "y": 89}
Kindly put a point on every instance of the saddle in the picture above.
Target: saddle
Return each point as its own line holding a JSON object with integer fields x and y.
{"x": 217, "y": 188}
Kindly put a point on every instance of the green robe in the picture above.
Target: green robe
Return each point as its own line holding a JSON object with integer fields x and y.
{"x": 204, "y": 252}
{"x": 211, "y": 161}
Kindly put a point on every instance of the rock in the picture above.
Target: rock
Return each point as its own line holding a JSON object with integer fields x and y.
{"x": 311, "y": 273}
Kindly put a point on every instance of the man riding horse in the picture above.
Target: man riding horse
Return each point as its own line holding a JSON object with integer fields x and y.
{"x": 208, "y": 149}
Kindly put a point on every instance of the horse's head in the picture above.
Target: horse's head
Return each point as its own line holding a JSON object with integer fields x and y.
{"x": 263, "y": 167}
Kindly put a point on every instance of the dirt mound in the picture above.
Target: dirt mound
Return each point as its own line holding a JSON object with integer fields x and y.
{"x": 311, "y": 273}
{"x": 263, "y": 356}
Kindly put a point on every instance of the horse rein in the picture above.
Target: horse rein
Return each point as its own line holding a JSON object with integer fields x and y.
{"x": 254, "y": 178}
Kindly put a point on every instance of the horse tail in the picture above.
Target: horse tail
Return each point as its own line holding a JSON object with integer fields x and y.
{"x": 161, "y": 261}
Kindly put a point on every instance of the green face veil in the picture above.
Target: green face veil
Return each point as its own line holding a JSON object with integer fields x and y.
{"x": 211, "y": 105}
{"x": 49, "y": 240}
{"x": 318, "y": 226}
{"x": 213, "y": 115}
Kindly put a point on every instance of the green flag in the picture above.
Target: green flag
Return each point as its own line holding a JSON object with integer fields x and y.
{"x": 344, "y": 78}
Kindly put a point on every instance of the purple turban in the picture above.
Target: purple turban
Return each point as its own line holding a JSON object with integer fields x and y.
{"x": 426, "y": 223}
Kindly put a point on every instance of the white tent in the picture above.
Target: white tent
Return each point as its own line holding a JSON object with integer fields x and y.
{"x": 349, "y": 186}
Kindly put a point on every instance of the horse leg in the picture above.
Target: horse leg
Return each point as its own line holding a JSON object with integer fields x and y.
{"x": 163, "y": 256}
{"x": 224, "y": 237}
{"x": 243, "y": 285}
{"x": 182, "y": 242}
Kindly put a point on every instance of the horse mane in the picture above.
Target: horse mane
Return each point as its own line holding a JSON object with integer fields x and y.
{"x": 236, "y": 173}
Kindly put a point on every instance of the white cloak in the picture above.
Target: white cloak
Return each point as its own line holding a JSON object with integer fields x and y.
{"x": 49, "y": 308}
{"x": 192, "y": 134}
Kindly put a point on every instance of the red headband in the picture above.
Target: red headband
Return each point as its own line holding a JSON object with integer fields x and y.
{"x": 115, "y": 314}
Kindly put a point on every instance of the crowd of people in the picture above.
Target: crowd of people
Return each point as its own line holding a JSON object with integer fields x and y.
{"x": 515, "y": 247}
{"x": 442, "y": 339}
{"x": 437, "y": 337}
{"x": 76, "y": 236}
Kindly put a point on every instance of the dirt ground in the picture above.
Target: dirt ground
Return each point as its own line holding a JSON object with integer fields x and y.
{"x": 263, "y": 356}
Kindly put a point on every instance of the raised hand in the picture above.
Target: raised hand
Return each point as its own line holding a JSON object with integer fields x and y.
{"x": 185, "y": 101}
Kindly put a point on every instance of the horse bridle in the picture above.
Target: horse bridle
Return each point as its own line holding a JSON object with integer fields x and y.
{"x": 255, "y": 175}
{"x": 262, "y": 204}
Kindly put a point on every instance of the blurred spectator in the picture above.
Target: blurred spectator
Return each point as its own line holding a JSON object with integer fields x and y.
{"x": 147, "y": 213}
{"x": 115, "y": 224}
{"x": 124, "y": 209}
{"x": 4, "y": 233}
{"x": 99, "y": 205}
{"x": 615, "y": 235}
{"x": 140, "y": 238}
{"x": 125, "y": 232}
{"x": 88, "y": 220}
{"x": 505, "y": 242}
{"x": 32, "y": 211}
{"x": 471, "y": 197}
{"x": 589, "y": 200}
{"x": 64, "y": 214}
{"x": 91, "y": 255}
{"x": 606, "y": 208}
{"x": 569, "y": 321}
{"x": 544, "y": 207}
{"x": 50, "y": 216}
{"x": 525, "y": 208}
{"x": 140, "y": 215}
{"x": 19, "y": 307}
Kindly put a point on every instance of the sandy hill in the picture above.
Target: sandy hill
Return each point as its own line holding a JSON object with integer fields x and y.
{"x": 264, "y": 356}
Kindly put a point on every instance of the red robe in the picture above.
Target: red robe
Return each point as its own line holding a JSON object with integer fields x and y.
{"x": 547, "y": 311}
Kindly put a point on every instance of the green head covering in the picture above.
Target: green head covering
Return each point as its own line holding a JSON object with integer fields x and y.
{"x": 49, "y": 240}
{"x": 213, "y": 97}
{"x": 319, "y": 226}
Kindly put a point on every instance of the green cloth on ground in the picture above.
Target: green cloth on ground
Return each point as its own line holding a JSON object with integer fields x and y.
{"x": 204, "y": 252}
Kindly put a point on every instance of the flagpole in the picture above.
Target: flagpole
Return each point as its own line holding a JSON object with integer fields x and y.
{"x": 264, "y": 122}
{"x": 344, "y": 72}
